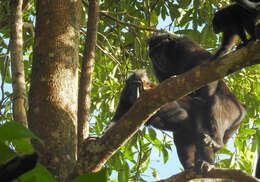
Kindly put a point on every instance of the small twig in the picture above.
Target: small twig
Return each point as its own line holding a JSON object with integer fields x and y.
{"x": 108, "y": 54}
{"x": 167, "y": 134}
{"x": 3, "y": 55}
{"x": 132, "y": 25}
{"x": 121, "y": 13}
{"x": 86, "y": 4}
{"x": 139, "y": 161}
{"x": 140, "y": 45}
{"x": 153, "y": 6}
{"x": 26, "y": 5}
{"x": 6, "y": 61}
{"x": 114, "y": 13}
{"x": 106, "y": 40}
{"x": 29, "y": 26}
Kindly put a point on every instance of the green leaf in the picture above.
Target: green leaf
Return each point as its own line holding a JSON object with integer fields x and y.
{"x": 155, "y": 173}
{"x": 248, "y": 131}
{"x": 184, "y": 3}
{"x": 100, "y": 176}
{"x": 146, "y": 155}
{"x": 152, "y": 133}
{"x": 123, "y": 174}
{"x": 165, "y": 155}
{"x": 38, "y": 174}
{"x": 154, "y": 18}
{"x": 6, "y": 153}
{"x": 12, "y": 130}
{"x": 23, "y": 145}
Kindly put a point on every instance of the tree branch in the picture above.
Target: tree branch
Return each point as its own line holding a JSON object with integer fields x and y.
{"x": 16, "y": 50}
{"x": 6, "y": 64}
{"x": 84, "y": 99}
{"x": 29, "y": 26}
{"x": 131, "y": 24}
{"x": 96, "y": 151}
{"x": 212, "y": 173}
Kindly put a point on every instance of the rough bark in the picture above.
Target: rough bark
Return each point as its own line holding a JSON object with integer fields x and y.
{"x": 54, "y": 84}
{"x": 212, "y": 174}
{"x": 27, "y": 4}
{"x": 86, "y": 73}
{"x": 16, "y": 49}
{"x": 96, "y": 151}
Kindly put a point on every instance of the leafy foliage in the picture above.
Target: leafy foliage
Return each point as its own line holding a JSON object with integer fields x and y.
{"x": 121, "y": 48}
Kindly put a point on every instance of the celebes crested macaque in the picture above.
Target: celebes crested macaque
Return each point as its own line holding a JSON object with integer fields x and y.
{"x": 234, "y": 21}
{"x": 212, "y": 113}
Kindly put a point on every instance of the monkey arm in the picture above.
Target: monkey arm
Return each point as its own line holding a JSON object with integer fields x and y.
{"x": 168, "y": 117}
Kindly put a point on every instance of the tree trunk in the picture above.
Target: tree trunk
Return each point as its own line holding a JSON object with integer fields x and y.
{"x": 16, "y": 49}
{"x": 54, "y": 84}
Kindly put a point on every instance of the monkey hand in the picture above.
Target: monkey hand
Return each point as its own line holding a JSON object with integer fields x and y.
{"x": 202, "y": 166}
{"x": 208, "y": 140}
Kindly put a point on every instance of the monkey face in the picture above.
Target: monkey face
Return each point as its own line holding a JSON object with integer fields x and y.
{"x": 139, "y": 84}
{"x": 137, "y": 88}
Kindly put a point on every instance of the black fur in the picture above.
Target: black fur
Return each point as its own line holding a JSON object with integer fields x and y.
{"x": 233, "y": 21}
{"x": 135, "y": 84}
{"x": 257, "y": 171}
{"x": 17, "y": 166}
{"x": 203, "y": 121}
{"x": 251, "y": 5}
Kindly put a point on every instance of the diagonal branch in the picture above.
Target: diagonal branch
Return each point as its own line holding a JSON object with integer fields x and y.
{"x": 212, "y": 173}
{"x": 96, "y": 151}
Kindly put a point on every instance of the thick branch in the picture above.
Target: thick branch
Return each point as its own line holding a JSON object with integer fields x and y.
{"x": 213, "y": 173}
{"x": 86, "y": 72}
{"x": 16, "y": 49}
{"x": 96, "y": 151}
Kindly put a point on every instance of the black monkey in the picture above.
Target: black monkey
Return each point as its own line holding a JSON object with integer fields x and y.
{"x": 17, "y": 166}
{"x": 233, "y": 21}
{"x": 163, "y": 68}
{"x": 213, "y": 112}
{"x": 257, "y": 171}
{"x": 254, "y": 7}
{"x": 187, "y": 130}
{"x": 135, "y": 84}
{"x": 176, "y": 111}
